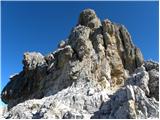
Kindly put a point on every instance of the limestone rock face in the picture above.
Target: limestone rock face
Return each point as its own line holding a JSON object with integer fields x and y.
{"x": 97, "y": 72}
{"x": 153, "y": 70}
{"x": 79, "y": 40}
{"x": 26, "y": 82}
{"x": 89, "y": 18}
{"x": 33, "y": 60}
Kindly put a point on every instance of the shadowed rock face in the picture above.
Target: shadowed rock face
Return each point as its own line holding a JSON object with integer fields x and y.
{"x": 80, "y": 79}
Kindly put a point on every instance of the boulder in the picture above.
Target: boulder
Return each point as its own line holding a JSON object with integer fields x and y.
{"x": 32, "y": 59}
{"x": 89, "y": 18}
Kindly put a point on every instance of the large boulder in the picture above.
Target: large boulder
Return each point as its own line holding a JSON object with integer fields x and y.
{"x": 89, "y": 18}
{"x": 32, "y": 60}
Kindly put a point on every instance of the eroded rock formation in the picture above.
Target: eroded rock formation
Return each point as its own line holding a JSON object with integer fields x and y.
{"x": 96, "y": 73}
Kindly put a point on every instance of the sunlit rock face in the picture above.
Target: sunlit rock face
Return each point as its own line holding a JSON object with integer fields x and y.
{"x": 97, "y": 72}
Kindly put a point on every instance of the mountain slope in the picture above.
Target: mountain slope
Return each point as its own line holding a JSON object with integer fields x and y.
{"x": 96, "y": 73}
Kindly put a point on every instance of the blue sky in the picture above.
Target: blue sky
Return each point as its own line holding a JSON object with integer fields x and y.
{"x": 39, "y": 26}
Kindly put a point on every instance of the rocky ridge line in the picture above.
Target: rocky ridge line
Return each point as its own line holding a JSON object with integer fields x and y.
{"x": 96, "y": 73}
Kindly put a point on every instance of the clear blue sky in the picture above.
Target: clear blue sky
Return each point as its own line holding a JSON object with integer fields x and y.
{"x": 39, "y": 26}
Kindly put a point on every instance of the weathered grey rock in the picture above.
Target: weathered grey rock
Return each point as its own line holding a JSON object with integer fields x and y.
{"x": 62, "y": 44}
{"x": 96, "y": 73}
{"x": 89, "y": 18}
{"x": 153, "y": 70}
{"x": 141, "y": 79}
{"x": 32, "y": 60}
{"x": 129, "y": 103}
{"x": 64, "y": 55}
{"x": 154, "y": 83}
{"x": 130, "y": 92}
{"x": 68, "y": 103}
{"x": 130, "y": 55}
{"x": 149, "y": 65}
{"x": 25, "y": 83}
{"x": 79, "y": 41}
{"x": 69, "y": 115}
{"x": 108, "y": 27}
{"x": 90, "y": 92}
{"x": 147, "y": 106}
{"x": 138, "y": 57}
{"x": 116, "y": 65}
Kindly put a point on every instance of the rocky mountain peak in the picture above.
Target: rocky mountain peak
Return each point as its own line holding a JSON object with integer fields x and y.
{"x": 96, "y": 73}
{"x": 89, "y": 19}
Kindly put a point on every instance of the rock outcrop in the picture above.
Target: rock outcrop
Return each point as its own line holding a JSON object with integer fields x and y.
{"x": 96, "y": 73}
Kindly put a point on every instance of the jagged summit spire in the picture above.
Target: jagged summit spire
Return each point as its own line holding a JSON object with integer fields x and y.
{"x": 89, "y": 18}
{"x": 80, "y": 79}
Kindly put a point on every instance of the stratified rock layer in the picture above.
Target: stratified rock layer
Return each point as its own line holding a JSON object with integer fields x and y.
{"x": 96, "y": 73}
